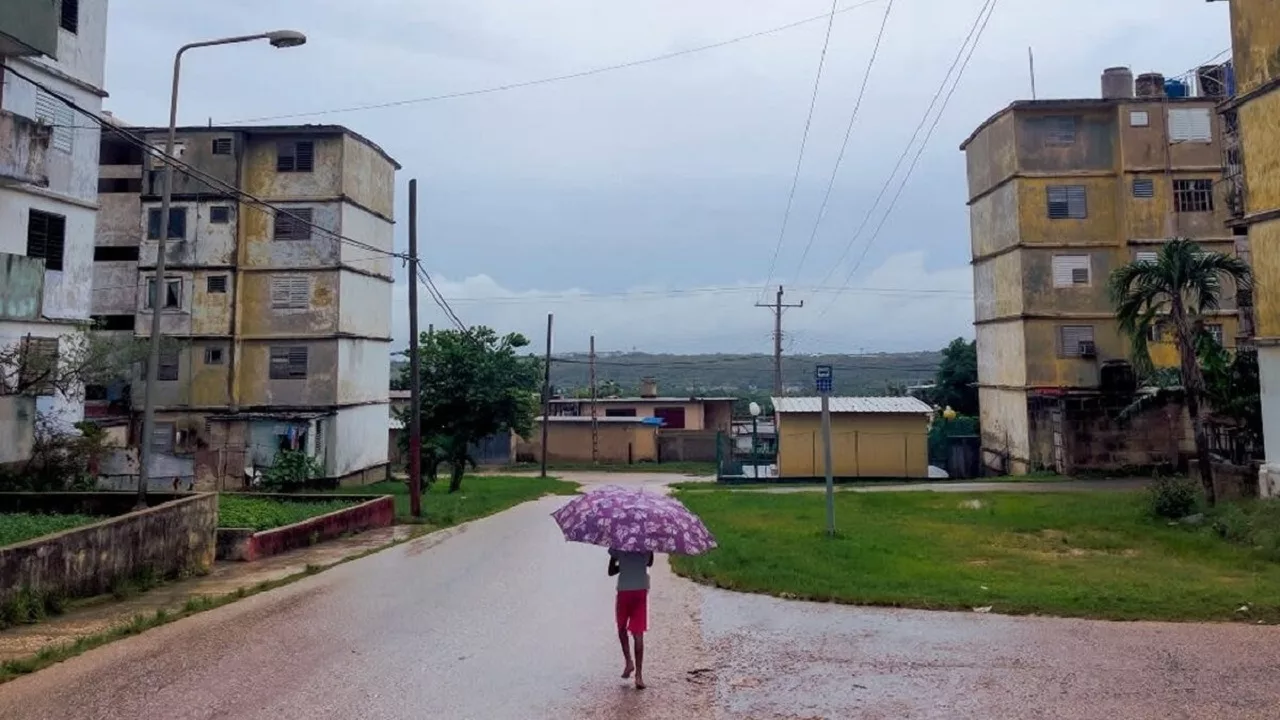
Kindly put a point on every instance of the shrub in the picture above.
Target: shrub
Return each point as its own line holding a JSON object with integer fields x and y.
{"x": 290, "y": 471}
{"x": 1173, "y": 497}
{"x": 1233, "y": 524}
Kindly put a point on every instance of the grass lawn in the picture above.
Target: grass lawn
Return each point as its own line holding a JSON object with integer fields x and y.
{"x": 480, "y": 495}
{"x": 239, "y": 511}
{"x": 1078, "y": 555}
{"x": 16, "y": 527}
{"x": 674, "y": 468}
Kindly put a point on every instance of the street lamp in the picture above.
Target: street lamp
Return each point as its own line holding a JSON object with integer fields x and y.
{"x": 277, "y": 38}
{"x": 754, "y": 409}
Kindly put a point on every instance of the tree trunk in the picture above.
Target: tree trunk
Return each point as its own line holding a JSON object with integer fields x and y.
{"x": 1193, "y": 387}
{"x": 459, "y": 467}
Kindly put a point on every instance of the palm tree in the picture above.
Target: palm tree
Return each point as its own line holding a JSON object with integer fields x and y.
{"x": 1180, "y": 287}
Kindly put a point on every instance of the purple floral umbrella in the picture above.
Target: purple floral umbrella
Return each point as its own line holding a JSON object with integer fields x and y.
{"x": 633, "y": 521}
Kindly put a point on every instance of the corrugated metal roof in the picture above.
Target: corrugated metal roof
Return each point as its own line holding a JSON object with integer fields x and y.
{"x": 852, "y": 405}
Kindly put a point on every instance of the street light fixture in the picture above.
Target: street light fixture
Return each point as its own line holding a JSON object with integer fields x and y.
{"x": 754, "y": 409}
{"x": 277, "y": 38}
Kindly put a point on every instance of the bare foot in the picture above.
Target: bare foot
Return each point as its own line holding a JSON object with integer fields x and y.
{"x": 640, "y": 683}
{"x": 626, "y": 671}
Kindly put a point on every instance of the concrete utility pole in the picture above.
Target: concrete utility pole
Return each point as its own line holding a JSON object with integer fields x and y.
{"x": 415, "y": 364}
{"x": 159, "y": 291}
{"x": 777, "y": 307}
{"x": 546, "y": 397}
{"x": 823, "y": 381}
{"x": 595, "y": 422}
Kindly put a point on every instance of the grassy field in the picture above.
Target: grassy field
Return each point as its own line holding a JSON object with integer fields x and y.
{"x": 480, "y": 495}
{"x": 1078, "y": 555}
{"x": 17, "y": 527}
{"x": 240, "y": 511}
{"x": 674, "y": 468}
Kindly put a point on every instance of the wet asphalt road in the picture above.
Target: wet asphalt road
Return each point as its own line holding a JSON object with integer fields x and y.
{"x": 503, "y": 619}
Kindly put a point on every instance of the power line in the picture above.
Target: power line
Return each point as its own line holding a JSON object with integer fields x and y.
{"x": 438, "y": 298}
{"x": 970, "y": 41}
{"x": 215, "y": 182}
{"x": 559, "y": 78}
{"x": 915, "y": 160}
{"x": 844, "y": 144}
{"x": 804, "y": 141}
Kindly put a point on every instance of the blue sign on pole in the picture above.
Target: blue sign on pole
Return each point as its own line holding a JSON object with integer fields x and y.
{"x": 822, "y": 378}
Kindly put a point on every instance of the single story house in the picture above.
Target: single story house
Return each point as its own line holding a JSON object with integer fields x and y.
{"x": 619, "y": 440}
{"x": 871, "y": 437}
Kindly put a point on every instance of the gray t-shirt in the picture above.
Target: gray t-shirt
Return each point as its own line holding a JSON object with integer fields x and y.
{"x": 633, "y": 570}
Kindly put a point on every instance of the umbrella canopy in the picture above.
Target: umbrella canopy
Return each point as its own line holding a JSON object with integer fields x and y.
{"x": 633, "y": 521}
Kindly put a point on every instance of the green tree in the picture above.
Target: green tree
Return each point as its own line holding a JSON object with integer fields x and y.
{"x": 1179, "y": 288}
{"x": 956, "y": 382}
{"x": 474, "y": 384}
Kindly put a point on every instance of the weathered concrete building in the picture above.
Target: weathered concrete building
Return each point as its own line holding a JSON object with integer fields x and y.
{"x": 48, "y": 190}
{"x": 284, "y": 327}
{"x": 1061, "y": 193}
{"x": 1252, "y": 114}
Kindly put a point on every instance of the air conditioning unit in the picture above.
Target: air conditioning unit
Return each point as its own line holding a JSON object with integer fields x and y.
{"x": 1088, "y": 350}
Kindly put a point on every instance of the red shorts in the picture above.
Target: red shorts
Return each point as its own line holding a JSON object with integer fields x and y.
{"x": 632, "y": 610}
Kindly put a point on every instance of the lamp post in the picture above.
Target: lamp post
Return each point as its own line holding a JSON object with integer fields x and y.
{"x": 277, "y": 38}
{"x": 754, "y": 409}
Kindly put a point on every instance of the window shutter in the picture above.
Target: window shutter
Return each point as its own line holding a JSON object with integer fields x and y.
{"x": 1069, "y": 269}
{"x": 1190, "y": 125}
{"x": 222, "y": 146}
{"x": 1144, "y": 188}
{"x": 216, "y": 284}
{"x": 1072, "y": 336}
{"x": 1139, "y": 118}
{"x": 290, "y": 292}
{"x": 220, "y": 214}
{"x": 304, "y": 156}
{"x": 51, "y": 110}
{"x": 1146, "y": 256}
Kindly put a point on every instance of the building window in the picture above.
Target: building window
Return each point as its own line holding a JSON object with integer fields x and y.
{"x": 290, "y": 292}
{"x": 672, "y": 417}
{"x": 71, "y": 15}
{"x": 113, "y": 322}
{"x": 54, "y": 111}
{"x": 1190, "y": 125}
{"x": 620, "y": 412}
{"x": 295, "y": 156}
{"x": 167, "y": 370}
{"x": 119, "y": 185}
{"x": 162, "y": 437}
{"x": 288, "y": 363}
{"x": 1075, "y": 341}
{"x": 1070, "y": 270}
{"x": 1067, "y": 202}
{"x": 220, "y": 214}
{"x": 1215, "y": 332}
{"x": 172, "y": 293}
{"x": 1155, "y": 333}
{"x": 38, "y": 362}
{"x": 1144, "y": 188}
{"x": 110, "y": 253}
{"x": 46, "y": 238}
{"x": 222, "y": 146}
{"x": 1139, "y": 118}
{"x": 216, "y": 284}
{"x": 213, "y": 356}
{"x": 114, "y": 150}
{"x": 296, "y": 225}
{"x": 1146, "y": 256}
{"x": 1193, "y": 195}
{"x": 1060, "y": 130}
{"x": 177, "y": 223}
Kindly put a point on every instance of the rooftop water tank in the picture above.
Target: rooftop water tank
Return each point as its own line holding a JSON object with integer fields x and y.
{"x": 1176, "y": 88}
{"x": 1150, "y": 85}
{"x": 1117, "y": 83}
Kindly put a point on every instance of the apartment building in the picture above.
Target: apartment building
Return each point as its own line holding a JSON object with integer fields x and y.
{"x": 281, "y": 328}
{"x": 1251, "y": 115}
{"x": 1061, "y": 193}
{"x": 48, "y": 193}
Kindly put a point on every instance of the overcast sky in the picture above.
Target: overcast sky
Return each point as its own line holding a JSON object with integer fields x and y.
{"x": 644, "y": 204}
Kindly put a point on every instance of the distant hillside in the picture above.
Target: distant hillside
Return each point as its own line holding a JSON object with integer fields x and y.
{"x": 741, "y": 374}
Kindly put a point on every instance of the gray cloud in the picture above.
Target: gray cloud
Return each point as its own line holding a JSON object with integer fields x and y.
{"x": 669, "y": 175}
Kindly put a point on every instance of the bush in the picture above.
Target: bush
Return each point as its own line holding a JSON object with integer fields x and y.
{"x": 1233, "y": 524}
{"x": 290, "y": 471}
{"x": 1253, "y": 523}
{"x": 1173, "y": 497}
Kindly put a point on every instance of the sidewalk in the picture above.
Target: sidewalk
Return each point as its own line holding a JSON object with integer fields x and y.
{"x": 225, "y": 578}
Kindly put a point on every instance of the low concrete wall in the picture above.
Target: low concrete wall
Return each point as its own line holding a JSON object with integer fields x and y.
{"x": 1230, "y": 482}
{"x": 687, "y": 445}
{"x": 173, "y": 536}
{"x": 246, "y": 545}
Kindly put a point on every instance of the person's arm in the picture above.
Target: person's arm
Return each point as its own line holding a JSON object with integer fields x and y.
{"x": 613, "y": 565}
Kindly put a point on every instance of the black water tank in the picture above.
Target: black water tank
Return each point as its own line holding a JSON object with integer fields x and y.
{"x": 1118, "y": 377}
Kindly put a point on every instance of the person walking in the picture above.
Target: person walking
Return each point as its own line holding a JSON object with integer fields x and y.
{"x": 632, "y": 607}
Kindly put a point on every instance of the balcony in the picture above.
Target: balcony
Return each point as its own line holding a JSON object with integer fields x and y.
{"x": 24, "y": 148}
{"x": 29, "y": 27}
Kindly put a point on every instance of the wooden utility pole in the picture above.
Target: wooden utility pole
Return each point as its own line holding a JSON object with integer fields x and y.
{"x": 595, "y": 422}
{"x": 546, "y": 396}
{"x": 415, "y": 364}
{"x": 777, "y": 306}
